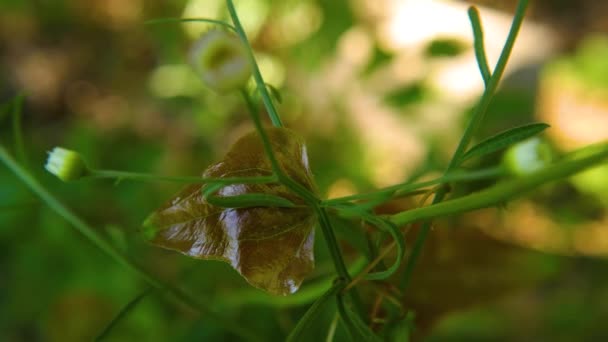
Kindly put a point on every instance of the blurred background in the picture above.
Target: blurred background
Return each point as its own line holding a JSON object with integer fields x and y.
{"x": 381, "y": 90}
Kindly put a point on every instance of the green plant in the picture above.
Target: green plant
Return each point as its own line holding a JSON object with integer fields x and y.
{"x": 283, "y": 188}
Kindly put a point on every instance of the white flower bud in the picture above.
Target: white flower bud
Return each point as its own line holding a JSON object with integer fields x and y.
{"x": 67, "y": 165}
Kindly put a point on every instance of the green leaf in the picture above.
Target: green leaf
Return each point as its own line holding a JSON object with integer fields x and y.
{"x": 275, "y": 92}
{"x": 270, "y": 246}
{"x": 504, "y": 139}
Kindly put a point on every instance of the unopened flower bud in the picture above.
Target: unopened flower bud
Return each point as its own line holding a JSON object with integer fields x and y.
{"x": 67, "y": 165}
{"x": 221, "y": 60}
{"x": 527, "y": 157}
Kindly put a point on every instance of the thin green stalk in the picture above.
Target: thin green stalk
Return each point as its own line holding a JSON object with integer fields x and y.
{"x": 407, "y": 187}
{"x": 298, "y": 189}
{"x": 505, "y": 191}
{"x": 488, "y": 94}
{"x": 106, "y": 247}
{"x": 468, "y": 134}
{"x": 253, "y": 111}
{"x": 153, "y": 178}
{"x": 480, "y": 51}
{"x": 313, "y": 311}
{"x": 257, "y": 75}
{"x": 123, "y": 312}
{"x": 332, "y": 328}
{"x": 332, "y": 243}
{"x": 178, "y": 20}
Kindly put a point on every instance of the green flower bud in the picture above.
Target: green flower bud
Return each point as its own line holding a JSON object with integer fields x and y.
{"x": 67, "y": 165}
{"x": 221, "y": 60}
{"x": 527, "y": 157}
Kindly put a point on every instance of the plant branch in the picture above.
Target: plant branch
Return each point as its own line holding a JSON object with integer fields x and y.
{"x": 149, "y": 177}
{"x": 504, "y": 191}
{"x": 469, "y": 132}
{"x": 407, "y": 187}
{"x": 257, "y": 75}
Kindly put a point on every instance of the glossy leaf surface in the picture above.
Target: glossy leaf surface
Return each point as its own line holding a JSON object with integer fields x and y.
{"x": 270, "y": 246}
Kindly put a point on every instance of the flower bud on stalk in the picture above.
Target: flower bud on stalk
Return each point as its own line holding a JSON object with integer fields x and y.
{"x": 66, "y": 164}
{"x": 527, "y": 157}
{"x": 221, "y": 60}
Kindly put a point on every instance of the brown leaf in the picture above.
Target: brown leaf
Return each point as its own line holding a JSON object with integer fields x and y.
{"x": 272, "y": 248}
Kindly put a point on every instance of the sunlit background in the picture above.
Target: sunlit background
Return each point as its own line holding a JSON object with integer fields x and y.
{"x": 381, "y": 89}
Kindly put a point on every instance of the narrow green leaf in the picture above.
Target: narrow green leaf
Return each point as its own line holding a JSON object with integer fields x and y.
{"x": 358, "y": 330}
{"x": 504, "y": 139}
{"x": 275, "y": 92}
{"x": 480, "y": 51}
{"x": 250, "y": 201}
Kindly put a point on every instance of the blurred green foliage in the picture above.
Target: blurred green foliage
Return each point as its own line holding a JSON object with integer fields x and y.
{"x": 99, "y": 81}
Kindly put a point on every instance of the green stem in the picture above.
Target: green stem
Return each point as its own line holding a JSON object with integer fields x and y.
{"x": 89, "y": 233}
{"x": 148, "y": 177}
{"x": 409, "y": 187}
{"x": 480, "y": 51}
{"x": 313, "y": 311}
{"x": 122, "y": 313}
{"x": 469, "y": 132}
{"x": 488, "y": 94}
{"x": 332, "y": 243}
{"x": 179, "y": 20}
{"x": 253, "y": 110}
{"x": 298, "y": 189}
{"x": 257, "y": 75}
{"x": 503, "y": 191}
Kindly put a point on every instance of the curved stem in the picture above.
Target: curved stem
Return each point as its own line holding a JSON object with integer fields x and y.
{"x": 257, "y": 75}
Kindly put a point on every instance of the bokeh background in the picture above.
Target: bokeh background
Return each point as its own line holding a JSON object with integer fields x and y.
{"x": 381, "y": 89}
